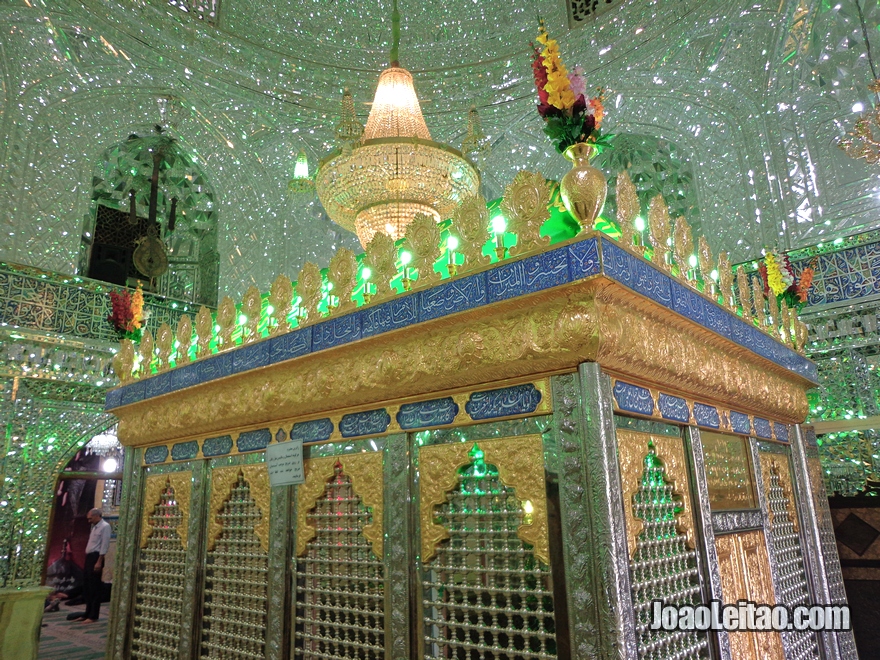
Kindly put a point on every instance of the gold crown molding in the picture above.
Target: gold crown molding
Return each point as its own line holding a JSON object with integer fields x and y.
{"x": 632, "y": 449}
{"x": 365, "y": 472}
{"x": 181, "y": 484}
{"x": 520, "y": 464}
{"x": 553, "y": 330}
{"x": 770, "y": 465}
{"x": 222, "y": 481}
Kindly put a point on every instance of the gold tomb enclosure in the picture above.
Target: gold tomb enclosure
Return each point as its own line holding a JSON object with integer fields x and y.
{"x": 513, "y": 479}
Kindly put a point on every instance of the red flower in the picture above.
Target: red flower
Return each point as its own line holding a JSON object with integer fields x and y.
{"x": 540, "y": 73}
{"x": 762, "y": 269}
{"x": 121, "y": 317}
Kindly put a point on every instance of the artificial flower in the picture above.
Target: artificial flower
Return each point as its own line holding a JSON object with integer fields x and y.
{"x": 803, "y": 286}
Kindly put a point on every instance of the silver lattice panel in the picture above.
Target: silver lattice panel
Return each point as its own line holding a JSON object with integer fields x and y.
{"x": 790, "y": 572}
{"x": 159, "y": 594}
{"x": 234, "y": 623}
{"x": 663, "y": 568}
{"x": 340, "y": 582}
{"x": 486, "y": 596}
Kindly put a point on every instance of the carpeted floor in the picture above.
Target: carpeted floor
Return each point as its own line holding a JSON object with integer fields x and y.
{"x": 61, "y": 639}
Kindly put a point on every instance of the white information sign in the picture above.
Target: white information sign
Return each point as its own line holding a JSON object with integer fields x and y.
{"x": 285, "y": 464}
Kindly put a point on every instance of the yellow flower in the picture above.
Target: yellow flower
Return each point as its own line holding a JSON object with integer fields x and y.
{"x": 774, "y": 275}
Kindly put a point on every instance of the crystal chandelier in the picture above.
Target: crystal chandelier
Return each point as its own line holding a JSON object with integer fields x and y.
{"x": 394, "y": 171}
{"x": 104, "y": 444}
{"x": 301, "y": 183}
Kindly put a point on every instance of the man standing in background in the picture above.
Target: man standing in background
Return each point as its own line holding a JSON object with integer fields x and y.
{"x": 99, "y": 543}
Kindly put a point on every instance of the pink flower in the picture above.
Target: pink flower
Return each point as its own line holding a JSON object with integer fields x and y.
{"x": 577, "y": 82}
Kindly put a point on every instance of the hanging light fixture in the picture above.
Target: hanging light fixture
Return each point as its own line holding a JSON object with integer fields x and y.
{"x": 863, "y": 141}
{"x": 394, "y": 171}
{"x": 301, "y": 183}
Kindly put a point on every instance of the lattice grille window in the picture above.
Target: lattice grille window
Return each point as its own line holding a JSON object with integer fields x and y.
{"x": 581, "y": 11}
{"x": 235, "y": 586}
{"x": 786, "y": 546}
{"x": 159, "y": 596}
{"x": 340, "y": 582}
{"x": 663, "y": 568}
{"x": 486, "y": 596}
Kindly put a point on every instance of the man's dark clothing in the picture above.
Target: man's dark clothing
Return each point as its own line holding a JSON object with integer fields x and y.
{"x": 92, "y": 587}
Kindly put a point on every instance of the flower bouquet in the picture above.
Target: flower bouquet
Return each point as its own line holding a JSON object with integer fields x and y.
{"x": 127, "y": 313}
{"x": 570, "y": 115}
{"x": 572, "y": 121}
{"x": 779, "y": 278}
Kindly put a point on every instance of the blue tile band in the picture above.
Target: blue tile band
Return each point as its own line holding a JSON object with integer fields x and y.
{"x": 504, "y": 402}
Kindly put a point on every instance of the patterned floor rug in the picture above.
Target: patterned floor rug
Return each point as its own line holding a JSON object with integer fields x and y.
{"x": 61, "y": 639}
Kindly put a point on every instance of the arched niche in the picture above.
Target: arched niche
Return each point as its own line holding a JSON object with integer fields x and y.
{"x": 186, "y": 213}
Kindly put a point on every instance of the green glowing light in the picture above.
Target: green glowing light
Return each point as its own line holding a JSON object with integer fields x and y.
{"x": 301, "y": 169}
{"x": 366, "y": 273}
{"x": 714, "y": 275}
{"x": 242, "y": 319}
{"x": 692, "y": 260}
{"x": 452, "y": 243}
{"x": 405, "y": 258}
{"x": 838, "y": 241}
{"x": 640, "y": 223}
{"x": 499, "y": 224}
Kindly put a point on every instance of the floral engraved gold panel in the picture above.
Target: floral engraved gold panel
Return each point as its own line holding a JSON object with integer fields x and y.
{"x": 438, "y": 473}
{"x": 365, "y": 472}
{"x": 632, "y": 449}
{"x": 728, "y": 471}
{"x": 520, "y": 464}
{"x": 745, "y": 575}
{"x": 777, "y": 464}
{"x": 181, "y": 482}
{"x": 222, "y": 481}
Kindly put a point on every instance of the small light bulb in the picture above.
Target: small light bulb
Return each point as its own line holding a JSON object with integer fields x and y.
{"x": 692, "y": 260}
{"x": 858, "y": 107}
{"x": 109, "y": 465}
{"x": 640, "y": 223}
{"x": 499, "y": 224}
{"x": 452, "y": 243}
{"x": 366, "y": 273}
{"x": 405, "y": 258}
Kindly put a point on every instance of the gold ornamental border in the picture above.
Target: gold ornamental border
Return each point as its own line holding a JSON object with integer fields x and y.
{"x": 526, "y": 337}
{"x": 632, "y": 448}
{"x": 367, "y": 481}
{"x": 542, "y": 385}
{"x": 779, "y": 465}
{"x": 520, "y": 464}
{"x": 181, "y": 484}
{"x": 222, "y": 482}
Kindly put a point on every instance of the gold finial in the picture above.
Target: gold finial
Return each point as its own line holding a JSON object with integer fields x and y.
{"x": 146, "y": 351}
{"x": 123, "y": 362}
{"x": 423, "y": 240}
{"x": 628, "y": 208}
{"x": 525, "y": 205}
{"x": 758, "y": 300}
{"x": 704, "y": 259}
{"x": 342, "y": 274}
{"x": 801, "y": 333}
{"x": 725, "y": 281}
{"x": 382, "y": 261}
{"x": 252, "y": 308}
{"x": 658, "y": 224}
{"x": 683, "y": 245}
{"x": 773, "y": 320}
{"x": 226, "y": 313}
{"x": 471, "y": 221}
{"x": 184, "y": 340}
{"x": 785, "y": 317}
{"x": 744, "y": 293}
{"x": 165, "y": 344}
{"x": 475, "y": 142}
{"x": 204, "y": 331}
{"x": 308, "y": 288}
{"x": 281, "y": 299}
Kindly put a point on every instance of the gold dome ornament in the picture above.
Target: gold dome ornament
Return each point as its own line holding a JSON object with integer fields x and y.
{"x": 149, "y": 256}
{"x": 583, "y": 188}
